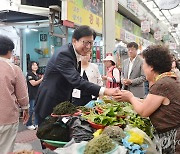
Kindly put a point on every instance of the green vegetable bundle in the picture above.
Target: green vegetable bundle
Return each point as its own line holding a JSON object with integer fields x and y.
{"x": 64, "y": 108}
{"x": 144, "y": 124}
{"x": 83, "y": 108}
{"x": 114, "y": 132}
{"x": 99, "y": 145}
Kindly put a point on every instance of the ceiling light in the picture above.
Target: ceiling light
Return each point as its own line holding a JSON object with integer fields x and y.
{"x": 35, "y": 30}
{"x": 27, "y": 30}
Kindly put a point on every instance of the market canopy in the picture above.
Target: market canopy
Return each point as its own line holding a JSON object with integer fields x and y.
{"x": 14, "y": 16}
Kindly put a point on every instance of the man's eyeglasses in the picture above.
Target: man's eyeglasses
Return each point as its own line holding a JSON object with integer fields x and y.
{"x": 86, "y": 43}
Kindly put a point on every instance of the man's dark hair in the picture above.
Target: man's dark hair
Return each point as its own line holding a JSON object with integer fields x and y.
{"x": 83, "y": 31}
{"x": 6, "y": 44}
{"x": 158, "y": 57}
{"x": 132, "y": 44}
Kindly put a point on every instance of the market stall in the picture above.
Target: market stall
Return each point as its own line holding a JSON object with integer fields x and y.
{"x": 103, "y": 126}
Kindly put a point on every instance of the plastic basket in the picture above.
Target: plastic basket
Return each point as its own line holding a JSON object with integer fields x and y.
{"x": 54, "y": 144}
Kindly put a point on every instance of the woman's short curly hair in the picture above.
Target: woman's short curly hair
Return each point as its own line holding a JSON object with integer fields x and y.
{"x": 158, "y": 57}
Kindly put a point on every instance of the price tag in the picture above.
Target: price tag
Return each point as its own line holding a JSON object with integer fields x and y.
{"x": 76, "y": 93}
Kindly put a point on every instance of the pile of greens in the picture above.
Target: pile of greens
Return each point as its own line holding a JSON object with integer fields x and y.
{"x": 83, "y": 108}
{"x": 110, "y": 116}
{"x": 120, "y": 113}
{"x": 99, "y": 145}
{"x": 64, "y": 108}
{"x": 144, "y": 124}
{"x": 114, "y": 132}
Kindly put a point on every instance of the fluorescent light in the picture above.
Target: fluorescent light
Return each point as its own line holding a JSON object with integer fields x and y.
{"x": 27, "y": 30}
{"x": 35, "y": 30}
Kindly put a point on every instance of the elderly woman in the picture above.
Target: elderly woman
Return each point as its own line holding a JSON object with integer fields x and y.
{"x": 162, "y": 104}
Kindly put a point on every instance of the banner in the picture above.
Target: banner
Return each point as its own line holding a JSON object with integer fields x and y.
{"x": 157, "y": 35}
{"x": 82, "y": 12}
{"x": 145, "y": 26}
{"x": 172, "y": 45}
{"x": 175, "y": 19}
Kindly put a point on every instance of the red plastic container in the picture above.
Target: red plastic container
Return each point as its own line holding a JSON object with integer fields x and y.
{"x": 66, "y": 115}
{"x": 51, "y": 147}
{"x": 96, "y": 126}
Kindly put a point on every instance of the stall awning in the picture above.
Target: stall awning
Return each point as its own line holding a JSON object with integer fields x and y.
{"x": 14, "y": 16}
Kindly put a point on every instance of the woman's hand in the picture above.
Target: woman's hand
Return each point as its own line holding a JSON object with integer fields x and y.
{"x": 123, "y": 95}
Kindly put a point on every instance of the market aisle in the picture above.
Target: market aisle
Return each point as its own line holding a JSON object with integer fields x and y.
{"x": 26, "y": 139}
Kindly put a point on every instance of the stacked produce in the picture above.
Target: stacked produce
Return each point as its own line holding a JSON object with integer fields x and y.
{"x": 108, "y": 114}
{"x": 114, "y": 132}
{"x": 64, "y": 108}
{"x": 53, "y": 129}
{"x": 119, "y": 114}
{"x": 83, "y": 109}
{"x": 113, "y": 118}
{"x": 99, "y": 145}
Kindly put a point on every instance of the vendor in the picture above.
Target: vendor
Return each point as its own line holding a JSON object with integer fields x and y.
{"x": 162, "y": 104}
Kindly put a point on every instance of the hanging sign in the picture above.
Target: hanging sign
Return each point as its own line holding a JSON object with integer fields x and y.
{"x": 172, "y": 45}
{"x": 157, "y": 35}
{"x": 133, "y": 6}
{"x": 83, "y": 13}
{"x": 129, "y": 37}
{"x": 168, "y": 4}
{"x": 175, "y": 19}
{"x": 145, "y": 26}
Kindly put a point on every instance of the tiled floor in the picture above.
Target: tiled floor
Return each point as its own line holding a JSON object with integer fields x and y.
{"x": 26, "y": 139}
{"x": 26, "y": 136}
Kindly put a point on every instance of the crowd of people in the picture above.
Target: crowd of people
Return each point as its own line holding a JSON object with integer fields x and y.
{"x": 70, "y": 76}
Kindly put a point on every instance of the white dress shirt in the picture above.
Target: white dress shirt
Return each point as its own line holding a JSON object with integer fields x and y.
{"x": 131, "y": 63}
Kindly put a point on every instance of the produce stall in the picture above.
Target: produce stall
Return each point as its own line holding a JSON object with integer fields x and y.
{"x": 103, "y": 126}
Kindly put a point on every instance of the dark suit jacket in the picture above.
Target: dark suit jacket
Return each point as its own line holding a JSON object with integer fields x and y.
{"x": 61, "y": 77}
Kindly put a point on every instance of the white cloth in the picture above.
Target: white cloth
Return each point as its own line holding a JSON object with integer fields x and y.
{"x": 7, "y": 137}
{"x": 93, "y": 74}
{"x": 78, "y": 148}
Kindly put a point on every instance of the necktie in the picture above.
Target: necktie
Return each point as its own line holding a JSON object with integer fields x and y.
{"x": 79, "y": 67}
{"x": 85, "y": 76}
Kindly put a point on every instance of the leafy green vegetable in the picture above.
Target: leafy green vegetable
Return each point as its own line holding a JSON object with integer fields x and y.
{"x": 64, "y": 108}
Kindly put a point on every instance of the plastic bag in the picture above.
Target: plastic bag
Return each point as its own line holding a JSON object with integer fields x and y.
{"x": 53, "y": 129}
{"x": 80, "y": 129}
{"x": 78, "y": 148}
{"x": 92, "y": 103}
{"x": 151, "y": 148}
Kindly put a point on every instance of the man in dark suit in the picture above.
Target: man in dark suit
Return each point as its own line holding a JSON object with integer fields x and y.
{"x": 62, "y": 76}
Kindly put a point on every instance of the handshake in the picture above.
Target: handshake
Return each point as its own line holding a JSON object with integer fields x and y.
{"x": 119, "y": 95}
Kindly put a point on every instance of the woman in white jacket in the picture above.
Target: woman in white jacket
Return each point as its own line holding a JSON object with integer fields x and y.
{"x": 90, "y": 72}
